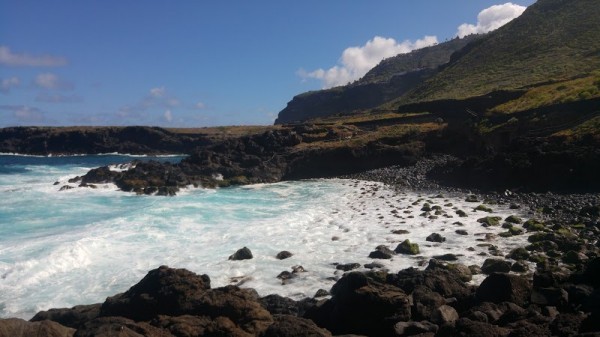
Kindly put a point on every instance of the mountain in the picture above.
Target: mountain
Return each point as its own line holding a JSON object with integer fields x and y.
{"x": 388, "y": 80}
{"x": 553, "y": 40}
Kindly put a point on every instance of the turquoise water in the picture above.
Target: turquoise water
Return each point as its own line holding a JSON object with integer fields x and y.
{"x": 60, "y": 249}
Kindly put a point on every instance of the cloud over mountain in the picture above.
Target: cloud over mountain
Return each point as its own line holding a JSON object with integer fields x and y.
{"x": 355, "y": 62}
{"x": 491, "y": 18}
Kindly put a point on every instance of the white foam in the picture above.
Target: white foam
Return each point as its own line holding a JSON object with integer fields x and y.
{"x": 81, "y": 245}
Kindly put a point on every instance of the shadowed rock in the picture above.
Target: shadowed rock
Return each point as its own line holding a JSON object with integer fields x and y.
{"x": 14, "y": 327}
{"x": 360, "y": 305}
{"x": 73, "y": 317}
{"x": 500, "y": 287}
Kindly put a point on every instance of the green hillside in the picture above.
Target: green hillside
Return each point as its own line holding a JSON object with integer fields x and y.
{"x": 553, "y": 40}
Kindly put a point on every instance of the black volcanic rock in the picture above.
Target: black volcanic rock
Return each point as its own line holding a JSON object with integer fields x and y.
{"x": 292, "y": 326}
{"x": 360, "y": 305}
{"x": 163, "y": 291}
{"x": 241, "y": 254}
{"x": 284, "y": 254}
{"x": 501, "y": 287}
{"x": 14, "y": 327}
{"x": 72, "y": 318}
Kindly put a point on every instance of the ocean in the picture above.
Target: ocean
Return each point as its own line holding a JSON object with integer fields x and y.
{"x": 78, "y": 246}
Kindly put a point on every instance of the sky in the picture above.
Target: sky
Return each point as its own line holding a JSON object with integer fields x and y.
{"x": 206, "y": 63}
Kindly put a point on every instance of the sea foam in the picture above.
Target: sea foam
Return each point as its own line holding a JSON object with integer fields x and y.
{"x": 60, "y": 249}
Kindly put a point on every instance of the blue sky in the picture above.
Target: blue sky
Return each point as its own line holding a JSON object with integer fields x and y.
{"x": 205, "y": 63}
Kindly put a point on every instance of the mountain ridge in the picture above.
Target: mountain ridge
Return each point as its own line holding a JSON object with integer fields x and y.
{"x": 553, "y": 40}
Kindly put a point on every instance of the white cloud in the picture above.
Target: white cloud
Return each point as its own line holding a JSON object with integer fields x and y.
{"x": 159, "y": 97}
{"x": 199, "y": 106}
{"x": 168, "y": 116}
{"x": 355, "y": 62}
{"x": 46, "y": 81}
{"x": 24, "y": 114}
{"x": 51, "y": 81}
{"x": 7, "y": 83}
{"x": 491, "y": 18}
{"x": 158, "y": 92}
{"x": 8, "y": 58}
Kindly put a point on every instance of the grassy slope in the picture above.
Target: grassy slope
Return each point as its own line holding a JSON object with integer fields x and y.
{"x": 553, "y": 40}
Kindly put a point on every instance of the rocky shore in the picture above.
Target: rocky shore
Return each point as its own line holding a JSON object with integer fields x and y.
{"x": 559, "y": 296}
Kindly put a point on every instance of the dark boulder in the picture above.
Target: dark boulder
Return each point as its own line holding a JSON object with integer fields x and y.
{"x": 446, "y": 257}
{"x": 435, "y": 237}
{"x": 241, "y": 254}
{"x": 381, "y": 252}
{"x": 164, "y": 291}
{"x": 495, "y": 266}
{"x": 292, "y": 326}
{"x": 519, "y": 254}
{"x": 500, "y": 287}
{"x": 119, "y": 326}
{"x": 361, "y": 305}
{"x": 443, "y": 281}
{"x": 567, "y": 324}
{"x": 425, "y": 302}
{"x": 187, "y": 326}
{"x": 463, "y": 272}
{"x": 347, "y": 266}
{"x": 14, "y": 327}
{"x": 555, "y": 297}
{"x": 279, "y": 305}
{"x": 413, "y": 328}
{"x": 444, "y": 314}
{"x": 467, "y": 328}
{"x": 72, "y": 318}
{"x": 283, "y": 255}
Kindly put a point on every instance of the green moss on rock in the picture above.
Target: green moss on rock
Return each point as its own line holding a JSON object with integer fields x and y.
{"x": 406, "y": 247}
{"x": 490, "y": 221}
{"x": 483, "y": 208}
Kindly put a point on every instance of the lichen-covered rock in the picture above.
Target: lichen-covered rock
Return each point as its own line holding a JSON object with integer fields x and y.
{"x": 490, "y": 221}
{"x": 513, "y": 219}
{"x": 406, "y": 247}
{"x": 519, "y": 254}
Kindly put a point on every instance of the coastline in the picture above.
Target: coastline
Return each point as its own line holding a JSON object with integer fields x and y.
{"x": 529, "y": 299}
